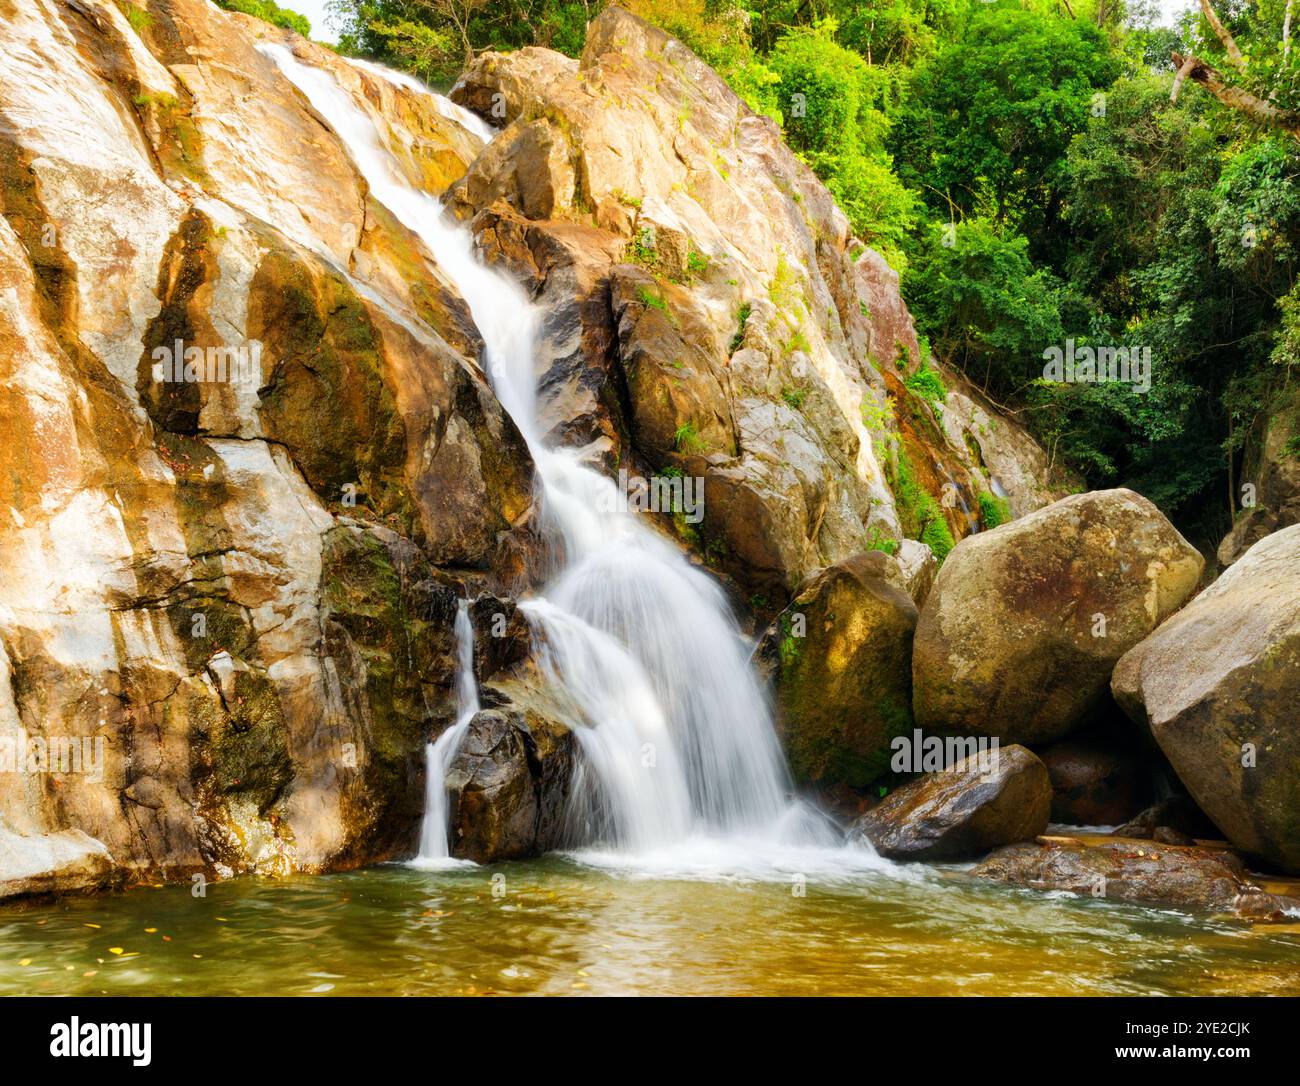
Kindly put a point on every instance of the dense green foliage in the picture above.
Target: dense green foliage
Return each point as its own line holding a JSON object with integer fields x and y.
{"x": 1022, "y": 164}
{"x": 271, "y": 12}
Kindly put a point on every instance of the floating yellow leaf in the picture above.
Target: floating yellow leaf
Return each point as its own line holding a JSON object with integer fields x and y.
{"x": 90, "y": 925}
{"x": 150, "y": 930}
{"x": 25, "y": 961}
{"x": 115, "y": 950}
{"x": 221, "y": 918}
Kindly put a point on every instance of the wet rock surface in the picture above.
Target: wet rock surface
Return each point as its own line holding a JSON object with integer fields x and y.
{"x": 1140, "y": 872}
{"x": 963, "y": 811}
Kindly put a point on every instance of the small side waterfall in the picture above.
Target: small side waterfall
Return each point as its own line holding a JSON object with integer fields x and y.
{"x": 434, "y": 844}
{"x": 680, "y": 756}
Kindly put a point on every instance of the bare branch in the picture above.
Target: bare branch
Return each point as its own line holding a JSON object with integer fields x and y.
{"x": 1252, "y": 106}
{"x": 1221, "y": 32}
{"x": 1183, "y": 73}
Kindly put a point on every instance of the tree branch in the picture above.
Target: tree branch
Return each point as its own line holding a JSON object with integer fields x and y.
{"x": 1258, "y": 110}
{"x": 1183, "y": 73}
{"x": 1221, "y": 32}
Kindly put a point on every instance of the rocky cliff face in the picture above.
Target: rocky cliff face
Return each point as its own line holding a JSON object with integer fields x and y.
{"x": 245, "y": 587}
{"x": 709, "y": 312}
{"x": 242, "y": 589}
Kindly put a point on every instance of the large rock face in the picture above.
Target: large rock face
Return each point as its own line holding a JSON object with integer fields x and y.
{"x": 961, "y": 812}
{"x": 234, "y": 586}
{"x": 706, "y": 309}
{"x": 838, "y": 661}
{"x": 1022, "y": 628}
{"x": 245, "y": 588}
{"x": 1218, "y": 685}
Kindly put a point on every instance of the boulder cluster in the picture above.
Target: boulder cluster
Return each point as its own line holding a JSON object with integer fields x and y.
{"x": 1073, "y": 648}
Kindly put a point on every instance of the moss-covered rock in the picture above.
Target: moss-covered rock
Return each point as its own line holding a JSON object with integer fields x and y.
{"x": 838, "y": 659}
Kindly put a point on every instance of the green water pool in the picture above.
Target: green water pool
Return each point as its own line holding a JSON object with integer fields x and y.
{"x": 560, "y": 926}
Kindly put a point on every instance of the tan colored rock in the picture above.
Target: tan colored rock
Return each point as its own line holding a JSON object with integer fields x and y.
{"x": 68, "y": 862}
{"x": 961, "y": 812}
{"x": 919, "y": 568}
{"x": 1025, "y": 623}
{"x": 1218, "y": 685}
{"x": 1002, "y": 457}
{"x": 230, "y": 585}
{"x": 702, "y": 195}
{"x": 759, "y": 370}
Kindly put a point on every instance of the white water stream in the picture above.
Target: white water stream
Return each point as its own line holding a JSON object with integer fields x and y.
{"x": 682, "y": 768}
{"x": 434, "y": 845}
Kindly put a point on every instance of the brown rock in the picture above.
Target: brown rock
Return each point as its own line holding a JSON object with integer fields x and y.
{"x": 1094, "y": 784}
{"x": 1137, "y": 871}
{"x": 961, "y": 812}
{"x": 509, "y": 786}
{"x": 1176, "y": 816}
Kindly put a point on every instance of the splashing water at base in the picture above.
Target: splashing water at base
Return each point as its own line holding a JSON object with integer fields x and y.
{"x": 680, "y": 758}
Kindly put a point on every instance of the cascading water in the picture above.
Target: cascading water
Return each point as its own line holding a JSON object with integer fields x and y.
{"x": 680, "y": 752}
{"x": 434, "y": 845}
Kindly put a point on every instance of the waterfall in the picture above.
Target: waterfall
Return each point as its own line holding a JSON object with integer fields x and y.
{"x": 680, "y": 755}
{"x": 435, "y": 847}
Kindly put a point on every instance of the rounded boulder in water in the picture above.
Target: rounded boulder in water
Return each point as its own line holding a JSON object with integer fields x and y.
{"x": 993, "y": 798}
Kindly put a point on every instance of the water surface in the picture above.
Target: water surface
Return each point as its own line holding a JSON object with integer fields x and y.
{"x": 558, "y": 926}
